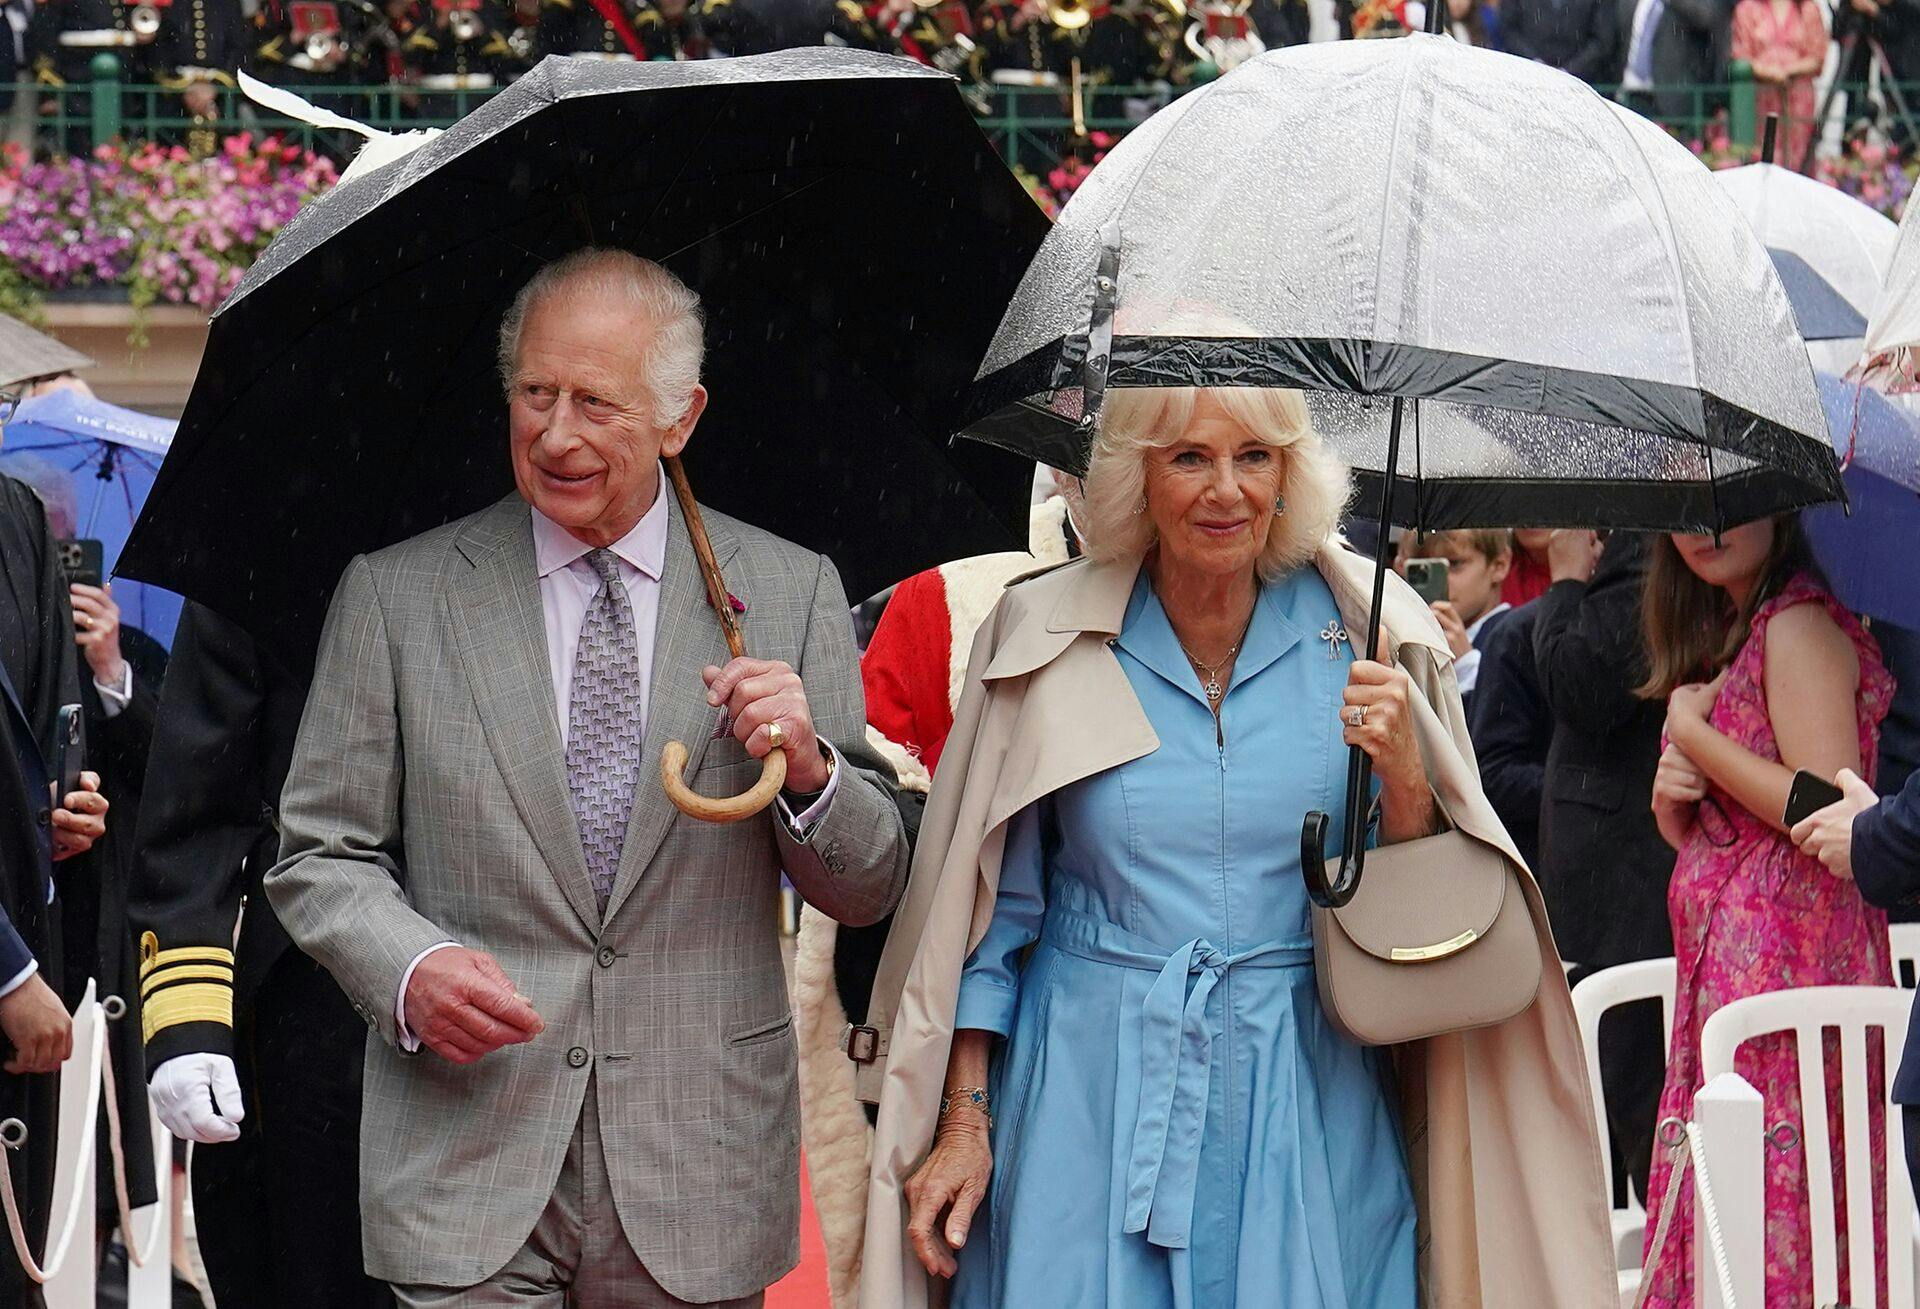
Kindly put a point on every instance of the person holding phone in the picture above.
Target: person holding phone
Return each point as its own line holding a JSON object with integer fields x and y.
{"x": 1462, "y": 583}
{"x": 1763, "y": 673}
{"x": 37, "y": 827}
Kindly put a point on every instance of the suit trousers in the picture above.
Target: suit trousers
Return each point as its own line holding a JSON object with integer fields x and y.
{"x": 278, "y": 1211}
{"x": 577, "y": 1255}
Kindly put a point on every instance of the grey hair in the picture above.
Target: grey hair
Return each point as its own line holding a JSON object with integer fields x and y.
{"x": 672, "y": 369}
{"x": 54, "y": 487}
{"x": 1315, "y": 484}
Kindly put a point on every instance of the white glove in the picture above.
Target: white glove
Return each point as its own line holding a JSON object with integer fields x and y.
{"x": 198, "y": 1097}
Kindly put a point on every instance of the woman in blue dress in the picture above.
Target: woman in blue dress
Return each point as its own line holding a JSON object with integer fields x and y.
{"x": 1145, "y": 1105}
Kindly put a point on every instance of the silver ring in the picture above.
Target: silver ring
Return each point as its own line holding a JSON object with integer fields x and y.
{"x": 1357, "y": 716}
{"x": 114, "y": 1007}
{"x": 776, "y": 735}
{"x": 13, "y": 1133}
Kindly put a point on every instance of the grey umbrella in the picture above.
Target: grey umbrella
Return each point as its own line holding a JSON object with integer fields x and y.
{"x": 1587, "y": 330}
{"x": 26, "y": 354}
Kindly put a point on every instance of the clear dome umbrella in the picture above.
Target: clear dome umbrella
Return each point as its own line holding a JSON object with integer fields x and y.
{"x": 1549, "y": 295}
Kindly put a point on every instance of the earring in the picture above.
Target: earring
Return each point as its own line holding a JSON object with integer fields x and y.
{"x": 1141, "y": 508}
{"x": 1279, "y": 505}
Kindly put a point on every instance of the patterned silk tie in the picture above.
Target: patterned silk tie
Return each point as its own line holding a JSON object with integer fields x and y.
{"x": 603, "y": 726}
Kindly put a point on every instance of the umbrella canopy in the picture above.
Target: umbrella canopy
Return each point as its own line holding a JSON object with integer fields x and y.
{"x": 1866, "y": 554}
{"x": 26, "y": 354}
{"x": 1847, "y": 244}
{"x": 848, "y": 225}
{"x": 108, "y": 456}
{"x": 1893, "y": 328}
{"x": 1592, "y": 334}
{"x": 1821, "y": 312}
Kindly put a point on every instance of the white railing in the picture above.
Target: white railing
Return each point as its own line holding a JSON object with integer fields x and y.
{"x": 68, "y": 1266}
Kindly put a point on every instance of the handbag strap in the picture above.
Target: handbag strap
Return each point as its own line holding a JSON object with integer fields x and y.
{"x": 1679, "y": 1159}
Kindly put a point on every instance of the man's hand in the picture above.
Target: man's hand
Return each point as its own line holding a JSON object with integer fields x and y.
{"x": 198, "y": 1098}
{"x": 759, "y": 693}
{"x": 96, "y": 623}
{"x": 1457, "y": 638}
{"x": 80, "y": 820}
{"x": 462, "y": 1007}
{"x": 1573, "y": 554}
{"x": 38, "y": 1027}
{"x": 1827, "y": 835}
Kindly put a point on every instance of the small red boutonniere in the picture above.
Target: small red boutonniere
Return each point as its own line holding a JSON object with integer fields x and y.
{"x": 734, "y": 603}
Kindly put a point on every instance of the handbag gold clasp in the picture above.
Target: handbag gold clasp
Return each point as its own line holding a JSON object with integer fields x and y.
{"x": 1420, "y": 954}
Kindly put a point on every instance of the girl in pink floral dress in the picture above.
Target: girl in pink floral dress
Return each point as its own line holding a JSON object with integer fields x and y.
{"x": 1797, "y": 683}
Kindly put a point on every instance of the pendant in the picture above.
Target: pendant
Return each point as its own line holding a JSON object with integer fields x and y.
{"x": 1213, "y": 690}
{"x": 1333, "y": 634}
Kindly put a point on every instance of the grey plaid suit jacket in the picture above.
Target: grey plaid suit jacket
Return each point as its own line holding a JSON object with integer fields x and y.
{"x": 428, "y": 802}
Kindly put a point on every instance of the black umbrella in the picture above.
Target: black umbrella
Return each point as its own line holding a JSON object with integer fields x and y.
{"x": 1546, "y": 295}
{"x": 849, "y": 227}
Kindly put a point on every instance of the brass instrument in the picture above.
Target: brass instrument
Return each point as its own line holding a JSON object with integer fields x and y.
{"x": 520, "y": 41}
{"x": 325, "y": 49}
{"x": 463, "y": 25}
{"x": 1079, "y": 101}
{"x": 1069, "y": 15}
{"x": 144, "y": 23}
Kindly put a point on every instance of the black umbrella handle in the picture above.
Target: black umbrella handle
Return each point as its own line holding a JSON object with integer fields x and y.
{"x": 1338, "y": 891}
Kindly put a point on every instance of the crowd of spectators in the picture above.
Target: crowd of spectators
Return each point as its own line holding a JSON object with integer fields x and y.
{"x": 1658, "y": 53}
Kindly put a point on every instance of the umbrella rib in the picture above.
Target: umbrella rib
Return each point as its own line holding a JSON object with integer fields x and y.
{"x": 749, "y": 217}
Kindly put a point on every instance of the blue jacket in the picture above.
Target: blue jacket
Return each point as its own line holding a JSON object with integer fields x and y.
{"x": 1886, "y": 867}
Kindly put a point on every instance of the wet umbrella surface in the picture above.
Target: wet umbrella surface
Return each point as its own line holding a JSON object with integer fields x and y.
{"x": 852, "y": 234}
{"x": 1572, "y": 317}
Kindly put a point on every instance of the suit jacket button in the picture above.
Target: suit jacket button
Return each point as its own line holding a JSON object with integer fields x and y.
{"x": 577, "y": 1057}
{"x": 607, "y": 956}
{"x": 44, "y": 817}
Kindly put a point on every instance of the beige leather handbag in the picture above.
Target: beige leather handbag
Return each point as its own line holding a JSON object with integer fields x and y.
{"x": 1437, "y": 939}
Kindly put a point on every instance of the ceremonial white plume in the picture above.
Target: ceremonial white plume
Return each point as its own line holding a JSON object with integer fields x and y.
{"x": 381, "y": 147}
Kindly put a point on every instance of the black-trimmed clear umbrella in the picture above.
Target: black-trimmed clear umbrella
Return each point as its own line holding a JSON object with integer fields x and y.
{"x": 1550, "y": 294}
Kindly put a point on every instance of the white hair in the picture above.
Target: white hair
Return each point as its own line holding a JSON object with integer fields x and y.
{"x": 1314, "y": 484}
{"x": 672, "y": 367}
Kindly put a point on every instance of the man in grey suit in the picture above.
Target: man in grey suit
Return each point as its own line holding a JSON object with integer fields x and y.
{"x": 477, "y": 846}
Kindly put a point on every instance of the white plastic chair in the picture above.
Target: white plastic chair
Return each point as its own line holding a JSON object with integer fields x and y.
{"x": 1806, "y": 1012}
{"x": 1906, "y": 952}
{"x": 1646, "y": 979}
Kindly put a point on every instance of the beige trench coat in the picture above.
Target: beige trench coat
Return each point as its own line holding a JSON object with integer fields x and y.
{"x": 1501, "y": 1137}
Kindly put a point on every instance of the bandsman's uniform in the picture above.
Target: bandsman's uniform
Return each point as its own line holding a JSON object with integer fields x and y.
{"x": 464, "y": 52}
{"x": 674, "y": 29}
{"x": 578, "y": 27}
{"x": 1007, "y": 43}
{"x": 63, "y": 36}
{"x": 202, "y": 43}
{"x": 277, "y": 1211}
{"x": 308, "y": 43}
{"x": 756, "y": 27}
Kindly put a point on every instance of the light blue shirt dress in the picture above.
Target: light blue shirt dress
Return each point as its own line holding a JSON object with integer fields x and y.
{"x": 1176, "y": 1124}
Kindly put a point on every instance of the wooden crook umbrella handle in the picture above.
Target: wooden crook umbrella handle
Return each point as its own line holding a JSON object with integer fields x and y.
{"x": 673, "y": 758}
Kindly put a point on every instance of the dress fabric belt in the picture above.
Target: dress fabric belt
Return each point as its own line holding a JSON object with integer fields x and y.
{"x": 1176, "y": 1069}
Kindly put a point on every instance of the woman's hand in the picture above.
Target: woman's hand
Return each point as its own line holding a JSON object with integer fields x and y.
{"x": 1376, "y": 715}
{"x": 952, "y": 1182}
{"x": 1678, "y": 788}
{"x": 1690, "y": 707}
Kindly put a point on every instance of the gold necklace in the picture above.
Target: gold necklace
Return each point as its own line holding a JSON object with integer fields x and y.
{"x": 1213, "y": 688}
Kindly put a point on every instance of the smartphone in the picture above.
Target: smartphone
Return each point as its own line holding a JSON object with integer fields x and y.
{"x": 82, "y": 559}
{"x": 1428, "y": 578}
{"x": 69, "y": 737}
{"x": 1808, "y": 795}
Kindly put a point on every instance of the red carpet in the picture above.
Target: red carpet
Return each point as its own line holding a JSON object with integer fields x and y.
{"x": 806, "y": 1286}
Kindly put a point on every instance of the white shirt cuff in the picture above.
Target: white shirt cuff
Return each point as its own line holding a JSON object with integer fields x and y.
{"x": 114, "y": 698}
{"x": 19, "y": 979}
{"x": 814, "y": 812}
{"x": 1467, "y": 669}
{"x": 402, "y": 1033}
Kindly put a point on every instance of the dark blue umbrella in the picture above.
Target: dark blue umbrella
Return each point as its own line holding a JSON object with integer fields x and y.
{"x": 1866, "y": 555}
{"x": 111, "y": 455}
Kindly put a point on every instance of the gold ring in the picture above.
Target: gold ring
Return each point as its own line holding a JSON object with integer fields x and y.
{"x": 776, "y": 735}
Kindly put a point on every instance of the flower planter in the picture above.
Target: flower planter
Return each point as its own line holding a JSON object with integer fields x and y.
{"x": 155, "y": 379}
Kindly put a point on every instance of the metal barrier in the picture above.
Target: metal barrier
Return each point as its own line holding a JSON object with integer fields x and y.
{"x": 68, "y": 1263}
{"x": 1031, "y": 126}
